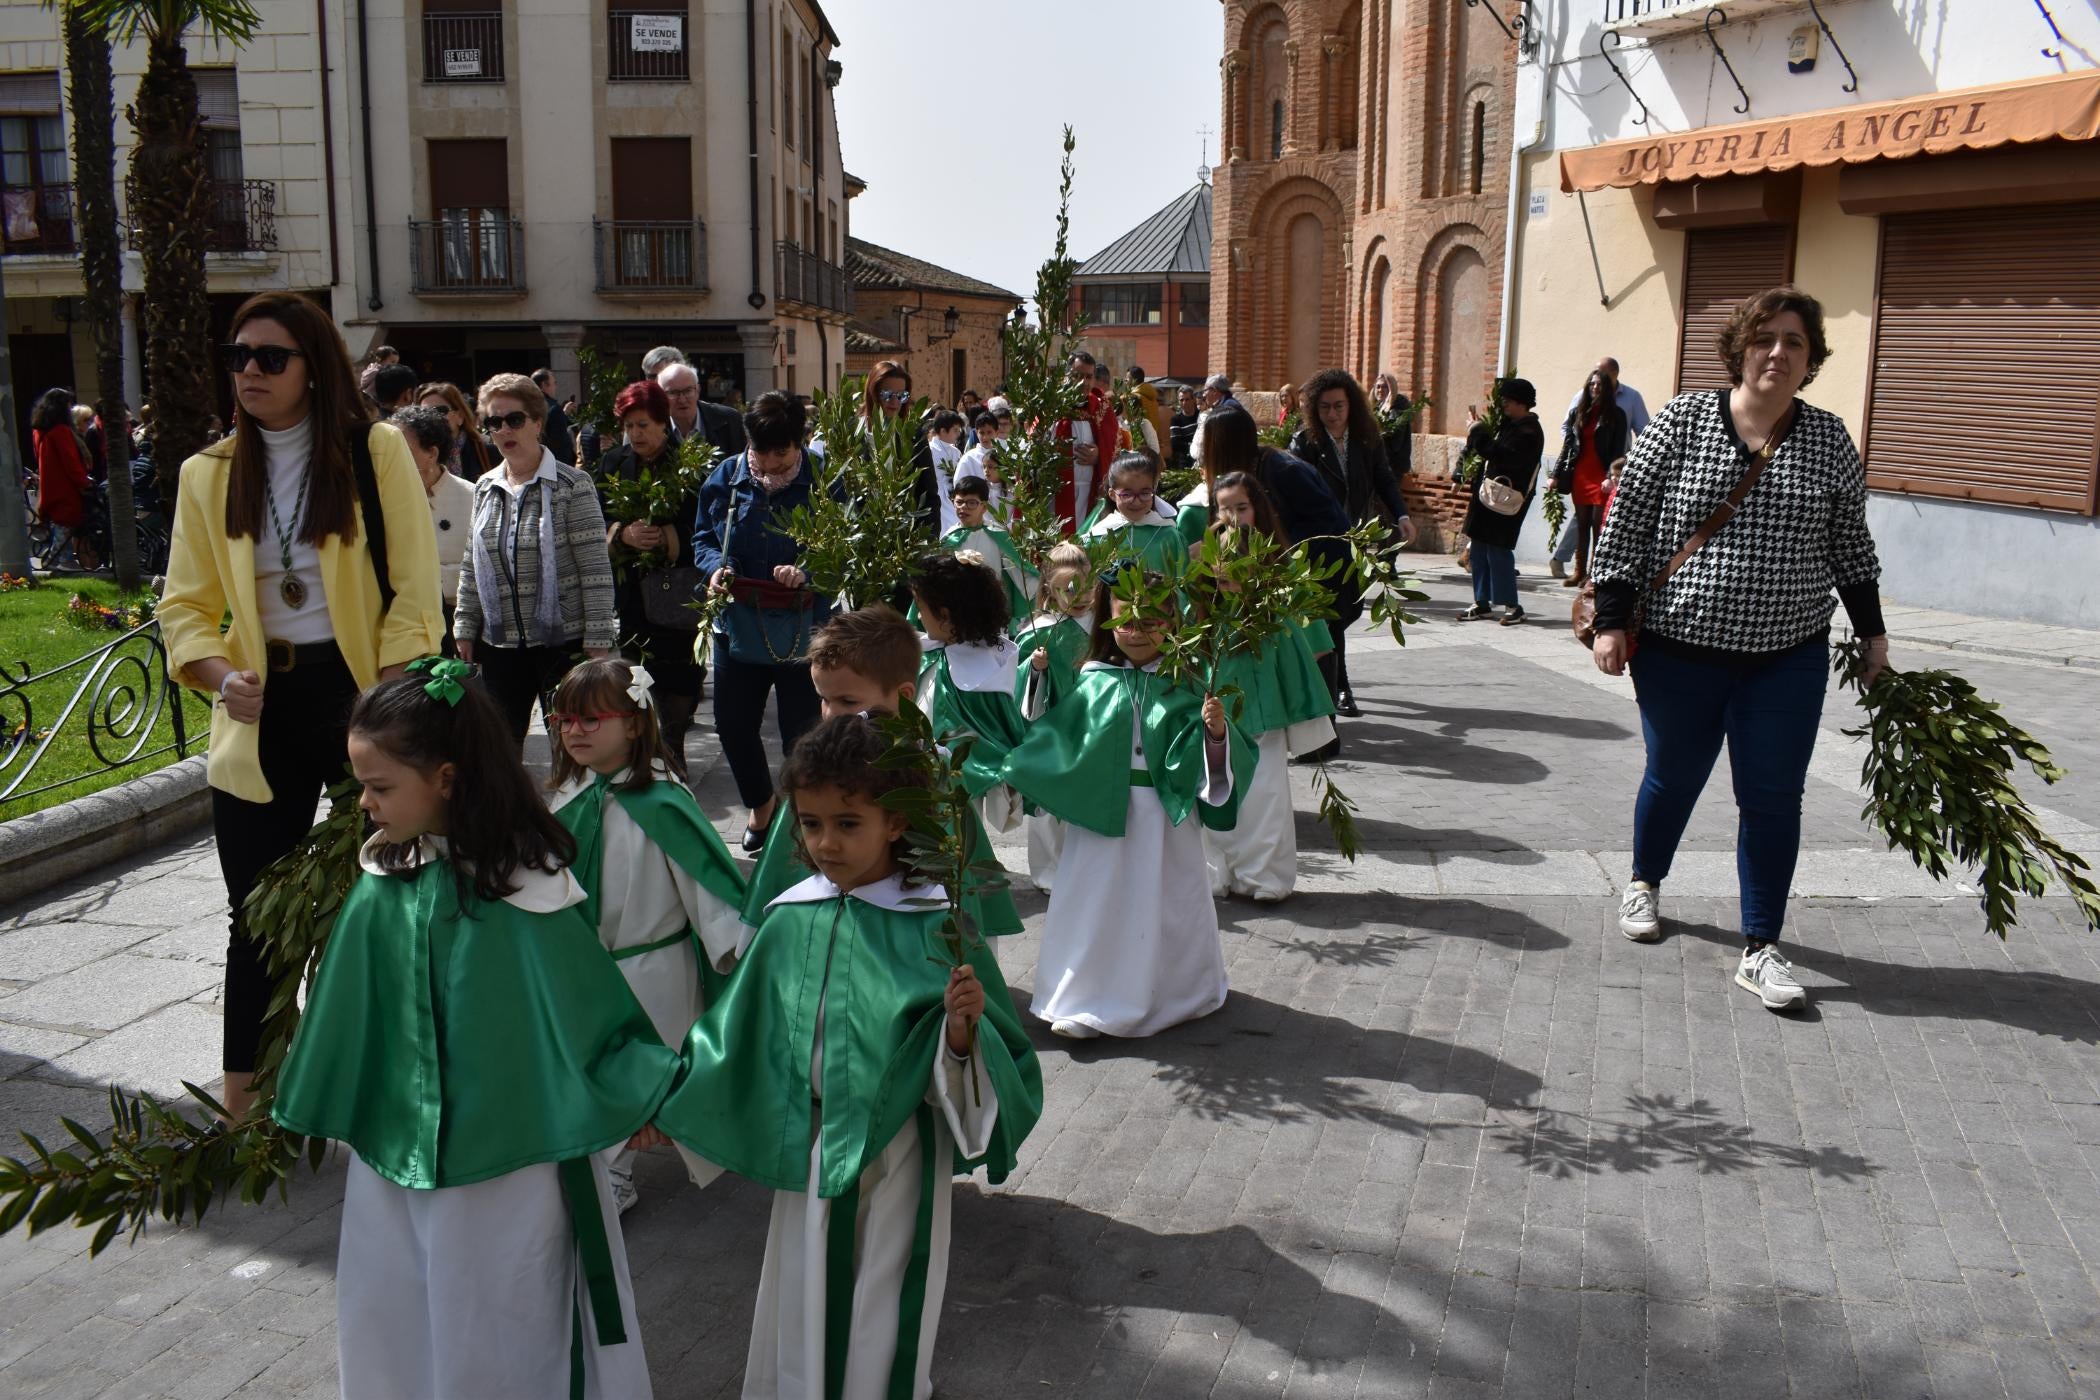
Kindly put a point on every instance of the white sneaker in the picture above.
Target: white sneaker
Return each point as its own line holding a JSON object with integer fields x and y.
{"x": 624, "y": 1193}
{"x": 1640, "y": 912}
{"x": 1559, "y": 569}
{"x": 1073, "y": 1030}
{"x": 1772, "y": 978}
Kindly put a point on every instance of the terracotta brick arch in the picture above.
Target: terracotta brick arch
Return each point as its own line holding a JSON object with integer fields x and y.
{"x": 1297, "y": 285}
{"x": 1374, "y": 327}
{"x": 1455, "y": 321}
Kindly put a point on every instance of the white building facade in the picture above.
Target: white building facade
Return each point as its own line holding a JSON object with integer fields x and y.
{"x": 1933, "y": 178}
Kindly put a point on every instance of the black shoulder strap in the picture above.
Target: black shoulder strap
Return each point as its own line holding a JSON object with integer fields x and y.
{"x": 373, "y": 517}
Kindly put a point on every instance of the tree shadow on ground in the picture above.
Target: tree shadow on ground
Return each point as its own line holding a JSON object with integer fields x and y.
{"x": 1661, "y": 1132}
{"x": 1381, "y": 921}
{"x": 1436, "y": 755}
{"x": 1262, "y": 1062}
{"x": 1380, "y": 834}
{"x": 2040, "y": 1003}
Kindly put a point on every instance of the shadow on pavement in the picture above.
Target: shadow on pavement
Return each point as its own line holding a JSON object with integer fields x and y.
{"x": 1383, "y": 926}
{"x": 1663, "y": 1133}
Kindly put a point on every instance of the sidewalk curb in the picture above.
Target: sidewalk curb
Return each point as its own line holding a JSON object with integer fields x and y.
{"x": 43, "y": 848}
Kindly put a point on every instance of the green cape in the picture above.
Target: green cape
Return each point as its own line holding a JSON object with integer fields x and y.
{"x": 994, "y": 717}
{"x": 1279, "y": 687}
{"x": 1075, "y": 762}
{"x": 880, "y": 975}
{"x": 1016, "y": 596}
{"x": 449, "y": 1048}
{"x": 1158, "y": 546}
{"x": 673, "y": 822}
{"x": 1192, "y": 515}
{"x": 1067, "y": 642}
{"x": 780, "y": 869}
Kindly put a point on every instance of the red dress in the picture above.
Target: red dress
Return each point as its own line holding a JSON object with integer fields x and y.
{"x": 61, "y": 478}
{"x": 1590, "y": 479}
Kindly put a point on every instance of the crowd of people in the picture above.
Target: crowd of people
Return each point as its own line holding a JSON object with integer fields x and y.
{"x": 532, "y": 981}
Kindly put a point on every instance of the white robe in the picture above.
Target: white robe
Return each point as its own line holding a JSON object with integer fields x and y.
{"x": 977, "y": 668}
{"x": 980, "y": 540}
{"x": 1259, "y": 856}
{"x": 1046, "y": 833}
{"x": 466, "y": 1292}
{"x": 946, "y": 455}
{"x": 1130, "y": 945}
{"x": 786, "y": 1360}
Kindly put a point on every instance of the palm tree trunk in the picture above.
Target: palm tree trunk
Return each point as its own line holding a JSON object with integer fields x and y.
{"x": 91, "y": 96}
{"x": 171, "y": 211}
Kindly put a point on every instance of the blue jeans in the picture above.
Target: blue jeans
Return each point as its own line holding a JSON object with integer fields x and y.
{"x": 1494, "y": 574}
{"x": 1767, "y": 715}
{"x": 1565, "y": 550}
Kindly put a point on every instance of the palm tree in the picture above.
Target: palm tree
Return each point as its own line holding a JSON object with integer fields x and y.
{"x": 170, "y": 208}
{"x": 90, "y": 93}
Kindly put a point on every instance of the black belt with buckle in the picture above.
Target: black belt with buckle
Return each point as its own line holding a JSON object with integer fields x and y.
{"x": 289, "y": 656}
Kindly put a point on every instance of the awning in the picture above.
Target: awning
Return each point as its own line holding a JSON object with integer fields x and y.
{"x": 2040, "y": 109}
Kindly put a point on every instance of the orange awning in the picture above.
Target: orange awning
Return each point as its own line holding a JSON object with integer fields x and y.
{"x": 2039, "y": 109}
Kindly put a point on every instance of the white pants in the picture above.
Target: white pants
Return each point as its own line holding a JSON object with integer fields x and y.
{"x": 1130, "y": 946}
{"x": 1259, "y": 856}
{"x": 469, "y": 1292}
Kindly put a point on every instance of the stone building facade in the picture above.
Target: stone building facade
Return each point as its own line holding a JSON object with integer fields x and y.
{"x": 942, "y": 326}
{"x": 1360, "y": 210}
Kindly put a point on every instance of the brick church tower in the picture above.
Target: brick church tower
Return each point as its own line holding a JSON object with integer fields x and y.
{"x": 1361, "y": 202}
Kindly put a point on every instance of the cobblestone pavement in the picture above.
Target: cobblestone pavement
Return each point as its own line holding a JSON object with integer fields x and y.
{"x": 1451, "y": 1136}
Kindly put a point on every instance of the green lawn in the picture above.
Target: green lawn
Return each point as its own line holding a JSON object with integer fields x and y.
{"x": 34, "y": 629}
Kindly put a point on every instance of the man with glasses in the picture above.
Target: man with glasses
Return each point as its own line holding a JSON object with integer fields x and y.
{"x": 689, "y": 412}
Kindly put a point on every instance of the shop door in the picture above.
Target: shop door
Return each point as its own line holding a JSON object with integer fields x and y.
{"x": 1721, "y": 267}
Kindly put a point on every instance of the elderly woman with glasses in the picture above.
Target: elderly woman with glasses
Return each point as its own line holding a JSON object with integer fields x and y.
{"x": 537, "y": 587}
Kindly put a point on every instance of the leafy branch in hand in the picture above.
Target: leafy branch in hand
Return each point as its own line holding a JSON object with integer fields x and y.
{"x": 158, "y": 1161}
{"x": 656, "y": 495}
{"x": 861, "y": 529}
{"x": 1939, "y": 778}
{"x": 1471, "y": 463}
{"x": 1556, "y": 508}
{"x": 603, "y": 380}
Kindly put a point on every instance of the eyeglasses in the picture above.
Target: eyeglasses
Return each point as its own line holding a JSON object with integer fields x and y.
{"x": 586, "y": 723}
{"x": 1134, "y": 498}
{"x": 512, "y": 420}
{"x": 271, "y": 359}
{"x": 895, "y": 396}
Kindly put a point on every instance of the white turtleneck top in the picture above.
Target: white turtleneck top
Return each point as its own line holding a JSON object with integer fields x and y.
{"x": 289, "y": 450}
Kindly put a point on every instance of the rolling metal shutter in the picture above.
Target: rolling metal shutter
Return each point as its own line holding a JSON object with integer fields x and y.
{"x": 1986, "y": 382}
{"x": 1721, "y": 267}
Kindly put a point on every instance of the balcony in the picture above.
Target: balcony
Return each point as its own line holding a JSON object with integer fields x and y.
{"x": 463, "y": 48}
{"x": 1659, "y": 19}
{"x": 639, "y": 256}
{"x": 466, "y": 257}
{"x": 801, "y": 276}
{"x": 38, "y": 219}
{"x": 648, "y": 46}
{"x": 241, "y": 216}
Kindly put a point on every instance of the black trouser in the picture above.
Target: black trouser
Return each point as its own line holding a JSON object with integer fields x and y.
{"x": 740, "y": 718}
{"x": 1348, "y": 607}
{"x": 517, "y": 676}
{"x": 305, "y": 717}
{"x": 667, "y": 652}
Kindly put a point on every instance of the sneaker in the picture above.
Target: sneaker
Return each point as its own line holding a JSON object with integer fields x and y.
{"x": 1558, "y": 569}
{"x": 1479, "y": 612}
{"x": 1640, "y": 912}
{"x": 1512, "y": 616}
{"x": 624, "y": 1193}
{"x": 1772, "y": 977}
{"x": 1073, "y": 1030}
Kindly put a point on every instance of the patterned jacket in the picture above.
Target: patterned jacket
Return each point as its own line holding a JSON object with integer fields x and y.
{"x": 582, "y": 564}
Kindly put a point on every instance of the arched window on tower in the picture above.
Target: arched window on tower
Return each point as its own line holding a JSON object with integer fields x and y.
{"x": 1276, "y": 129}
{"x": 1480, "y": 121}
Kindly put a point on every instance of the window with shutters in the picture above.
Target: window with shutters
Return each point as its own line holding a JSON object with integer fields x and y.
{"x": 1986, "y": 360}
{"x": 36, "y": 198}
{"x": 1721, "y": 267}
{"x": 463, "y": 41}
{"x": 655, "y": 240}
{"x": 472, "y": 242}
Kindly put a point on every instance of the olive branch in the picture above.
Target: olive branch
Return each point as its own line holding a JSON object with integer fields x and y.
{"x": 1939, "y": 777}
{"x": 861, "y": 530}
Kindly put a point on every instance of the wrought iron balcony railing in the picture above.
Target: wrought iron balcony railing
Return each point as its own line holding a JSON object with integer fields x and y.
{"x": 240, "y": 215}
{"x": 38, "y": 218}
{"x": 801, "y": 276}
{"x": 473, "y": 256}
{"x": 644, "y": 256}
{"x": 649, "y": 46}
{"x": 463, "y": 48}
{"x": 117, "y": 698}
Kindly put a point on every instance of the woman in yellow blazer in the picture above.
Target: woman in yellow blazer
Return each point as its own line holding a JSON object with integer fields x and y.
{"x": 273, "y": 605}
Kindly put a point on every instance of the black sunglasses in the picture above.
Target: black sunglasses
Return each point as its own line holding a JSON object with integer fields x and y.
{"x": 509, "y": 420}
{"x": 274, "y": 359}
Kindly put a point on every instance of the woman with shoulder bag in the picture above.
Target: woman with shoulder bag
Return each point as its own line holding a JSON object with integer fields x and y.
{"x": 761, "y": 641}
{"x": 656, "y": 624}
{"x": 1511, "y": 455}
{"x": 308, "y": 528}
{"x": 537, "y": 586}
{"x": 1735, "y": 642}
{"x": 1593, "y": 441}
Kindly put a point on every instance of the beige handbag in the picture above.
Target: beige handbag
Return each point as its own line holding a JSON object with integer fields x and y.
{"x": 1501, "y": 499}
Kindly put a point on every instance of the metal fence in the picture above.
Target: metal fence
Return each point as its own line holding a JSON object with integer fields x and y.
{"x": 121, "y": 692}
{"x": 475, "y": 254}
{"x": 648, "y": 46}
{"x": 463, "y": 48}
{"x": 1617, "y": 10}
{"x": 241, "y": 216}
{"x": 38, "y": 218}
{"x": 635, "y": 255}
{"x": 800, "y": 275}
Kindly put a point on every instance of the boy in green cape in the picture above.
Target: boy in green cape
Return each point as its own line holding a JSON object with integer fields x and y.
{"x": 991, "y": 543}
{"x": 857, "y": 1060}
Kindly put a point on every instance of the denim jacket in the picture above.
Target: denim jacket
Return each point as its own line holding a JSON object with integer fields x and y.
{"x": 751, "y": 541}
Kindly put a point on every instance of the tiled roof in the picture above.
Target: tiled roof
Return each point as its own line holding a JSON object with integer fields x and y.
{"x": 863, "y": 340}
{"x": 1175, "y": 240}
{"x": 871, "y": 265}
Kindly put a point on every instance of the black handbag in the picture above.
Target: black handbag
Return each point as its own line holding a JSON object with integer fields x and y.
{"x": 668, "y": 596}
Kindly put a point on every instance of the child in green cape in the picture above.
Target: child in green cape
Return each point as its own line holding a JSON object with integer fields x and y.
{"x": 866, "y": 662}
{"x": 1139, "y": 523}
{"x": 1130, "y": 945}
{"x": 1283, "y": 705}
{"x": 1052, "y": 649}
{"x": 468, "y": 1039}
{"x": 991, "y": 543}
{"x": 966, "y": 684}
{"x": 856, "y": 1062}
{"x": 657, "y": 879}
